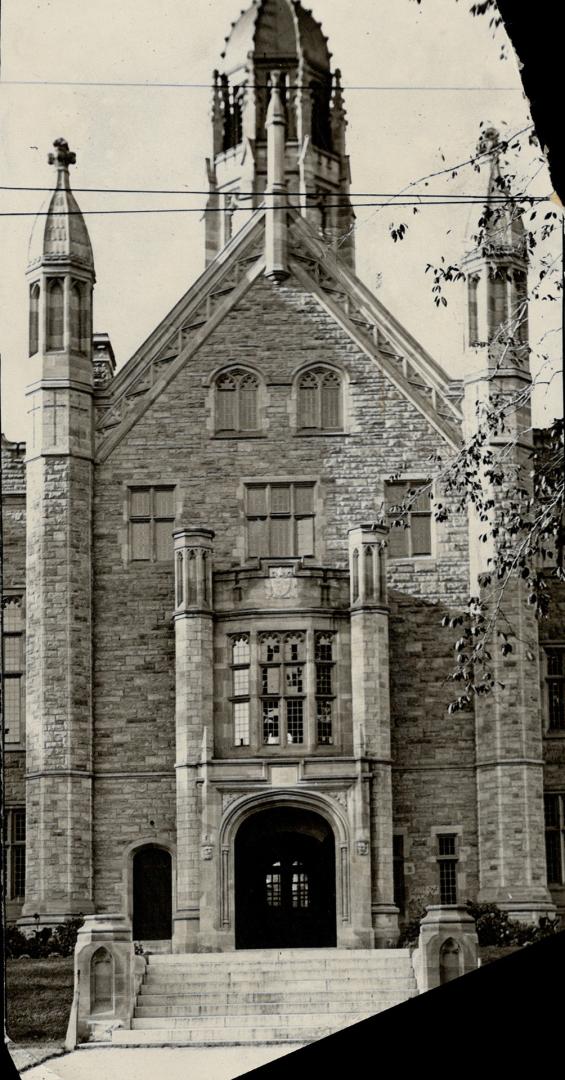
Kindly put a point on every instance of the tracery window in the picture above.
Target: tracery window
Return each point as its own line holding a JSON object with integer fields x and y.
{"x": 320, "y": 400}
{"x": 283, "y": 688}
{"x": 240, "y": 689}
{"x": 237, "y": 405}
{"x": 325, "y": 688}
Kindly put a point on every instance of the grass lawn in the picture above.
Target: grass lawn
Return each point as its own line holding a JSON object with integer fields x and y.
{"x": 40, "y": 995}
{"x": 488, "y": 953}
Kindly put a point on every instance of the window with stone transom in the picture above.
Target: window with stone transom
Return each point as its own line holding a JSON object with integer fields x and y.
{"x": 554, "y": 803}
{"x": 15, "y": 852}
{"x": 237, "y": 403}
{"x": 409, "y": 515}
{"x": 283, "y": 688}
{"x": 320, "y": 400}
{"x": 14, "y": 670}
{"x": 554, "y": 671}
{"x": 151, "y": 517}
{"x": 280, "y": 520}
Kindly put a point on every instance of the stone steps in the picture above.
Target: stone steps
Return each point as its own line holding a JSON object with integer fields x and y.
{"x": 149, "y": 997}
{"x": 280, "y": 957}
{"x": 270, "y": 1008}
{"x": 264, "y": 996}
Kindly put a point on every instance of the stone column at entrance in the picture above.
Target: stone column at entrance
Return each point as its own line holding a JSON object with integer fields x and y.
{"x": 193, "y": 715}
{"x": 371, "y": 715}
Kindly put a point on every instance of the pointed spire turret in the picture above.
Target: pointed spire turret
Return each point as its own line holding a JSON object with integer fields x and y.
{"x": 61, "y": 271}
{"x": 60, "y": 232}
{"x": 280, "y": 35}
{"x": 497, "y": 269}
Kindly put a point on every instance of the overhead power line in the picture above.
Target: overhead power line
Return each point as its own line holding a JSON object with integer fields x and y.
{"x": 251, "y": 194}
{"x": 247, "y": 86}
{"x": 247, "y": 209}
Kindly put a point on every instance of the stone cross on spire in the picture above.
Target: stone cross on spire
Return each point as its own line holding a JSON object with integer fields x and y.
{"x": 63, "y": 156}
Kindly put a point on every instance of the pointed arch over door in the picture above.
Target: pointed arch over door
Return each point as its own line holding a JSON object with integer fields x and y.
{"x": 285, "y": 894}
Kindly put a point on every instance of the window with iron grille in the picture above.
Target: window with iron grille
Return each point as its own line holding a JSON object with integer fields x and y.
{"x": 151, "y": 512}
{"x": 398, "y": 872}
{"x": 555, "y": 838}
{"x": 320, "y": 405}
{"x": 280, "y": 520}
{"x": 447, "y": 862}
{"x": 15, "y": 852}
{"x": 14, "y": 669}
{"x": 409, "y": 515}
{"x": 555, "y": 682}
{"x": 237, "y": 402}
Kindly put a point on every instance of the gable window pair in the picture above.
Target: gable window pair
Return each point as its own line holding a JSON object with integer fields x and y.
{"x": 319, "y": 402}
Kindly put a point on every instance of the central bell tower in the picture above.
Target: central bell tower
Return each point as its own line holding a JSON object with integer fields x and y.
{"x": 278, "y": 35}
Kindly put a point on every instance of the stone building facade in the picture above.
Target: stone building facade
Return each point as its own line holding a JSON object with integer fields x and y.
{"x": 233, "y": 673}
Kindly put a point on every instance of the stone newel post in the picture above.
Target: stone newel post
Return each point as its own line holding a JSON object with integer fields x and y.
{"x": 194, "y": 716}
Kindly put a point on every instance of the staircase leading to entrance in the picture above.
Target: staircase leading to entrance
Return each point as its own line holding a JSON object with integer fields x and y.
{"x": 264, "y": 996}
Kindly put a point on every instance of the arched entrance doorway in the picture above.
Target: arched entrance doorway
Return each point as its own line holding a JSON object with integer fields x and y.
{"x": 152, "y": 894}
{"x": 285, "y": 881}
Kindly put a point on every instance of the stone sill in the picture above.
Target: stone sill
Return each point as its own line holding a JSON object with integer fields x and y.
{"x": 240, "y": 436}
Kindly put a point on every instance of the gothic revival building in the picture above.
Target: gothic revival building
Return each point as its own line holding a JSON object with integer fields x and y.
{"x": 225, "y": 687}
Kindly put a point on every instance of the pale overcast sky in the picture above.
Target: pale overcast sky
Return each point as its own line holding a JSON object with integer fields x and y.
{"x": 437, "y": 71}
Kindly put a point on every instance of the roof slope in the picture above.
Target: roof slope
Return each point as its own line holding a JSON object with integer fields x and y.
{"x": 221, "y": 287}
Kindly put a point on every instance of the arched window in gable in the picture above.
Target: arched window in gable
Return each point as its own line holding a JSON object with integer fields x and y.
{"x": 237, "y": 406}
{"x": 33, "y": 319}
{"x": 55, "y": 311}
{"x": 320, "y": 400}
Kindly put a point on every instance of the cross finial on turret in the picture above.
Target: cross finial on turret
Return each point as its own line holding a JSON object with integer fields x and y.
{"x": 63, "y": 156}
